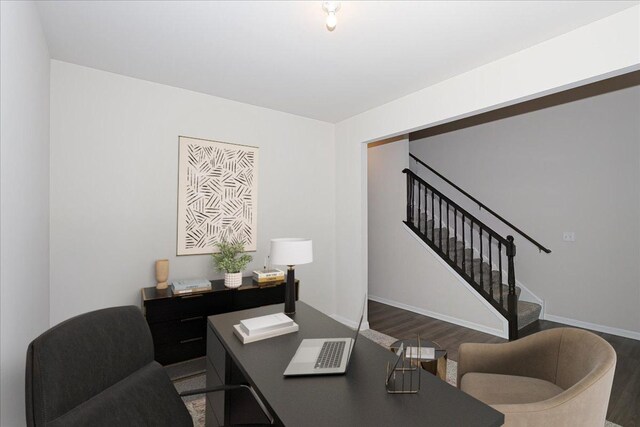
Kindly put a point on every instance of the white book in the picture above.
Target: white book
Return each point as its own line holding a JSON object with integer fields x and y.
{"x": 260, "y": 274}
{"x": 246, "y": 339}
{"x": 422, "y": 353}
{"x": 262, "y": 324}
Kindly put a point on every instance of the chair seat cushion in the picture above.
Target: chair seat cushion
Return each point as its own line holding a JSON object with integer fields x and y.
{"x": 145, "y": 398}
{"x": 496, "y": 389}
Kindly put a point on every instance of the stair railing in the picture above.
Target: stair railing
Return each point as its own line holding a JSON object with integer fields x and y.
{"x": 425, "y": 207}
{"x": 481, "y": 205}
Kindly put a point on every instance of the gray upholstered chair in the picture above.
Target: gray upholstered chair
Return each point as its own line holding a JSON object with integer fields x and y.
{"x": 97, "y": 369}
{"x": 558, "y": 377}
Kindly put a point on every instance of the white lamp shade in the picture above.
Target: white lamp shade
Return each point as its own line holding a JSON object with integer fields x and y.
{"x": 291, "y": 251}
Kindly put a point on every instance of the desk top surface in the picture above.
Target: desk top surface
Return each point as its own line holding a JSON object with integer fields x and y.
{"x": 358, "y": 398}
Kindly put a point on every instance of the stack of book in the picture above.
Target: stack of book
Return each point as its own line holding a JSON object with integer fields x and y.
{"x": 259, "y": 328}
{"x": 190, "y": 286}
{"x": 268, "y": 276}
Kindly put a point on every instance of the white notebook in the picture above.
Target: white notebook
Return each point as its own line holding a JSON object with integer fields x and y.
{"x": 263, "y": 324}
{"x": 422, "y": 353}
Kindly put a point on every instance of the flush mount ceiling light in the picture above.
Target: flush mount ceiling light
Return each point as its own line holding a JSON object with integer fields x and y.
{"x": 331, "y": 7}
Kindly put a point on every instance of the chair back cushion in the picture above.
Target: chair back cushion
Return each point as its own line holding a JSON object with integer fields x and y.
{"x": 583, "y": 356}
{"x": 82, "y": 357}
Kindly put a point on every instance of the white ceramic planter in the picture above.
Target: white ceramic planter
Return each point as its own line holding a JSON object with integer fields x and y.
{"x": 233, "y": 280}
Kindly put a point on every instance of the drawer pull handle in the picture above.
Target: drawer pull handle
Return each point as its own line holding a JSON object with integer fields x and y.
{"x": 191, "y": 340}
{"x": 191, "y": 296}
{"x": 190, "y": 319}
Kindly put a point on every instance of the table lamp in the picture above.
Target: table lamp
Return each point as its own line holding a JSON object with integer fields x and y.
{"x": 291, "y": 252}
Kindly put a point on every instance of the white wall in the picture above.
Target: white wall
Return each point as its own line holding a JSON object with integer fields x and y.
{"x": 604, "y": 48}
{"x": 402, "y": 271}
{"x": 114, "y": 160}
{"x": 573, "y": 167}
{"x": 24, "y": 198}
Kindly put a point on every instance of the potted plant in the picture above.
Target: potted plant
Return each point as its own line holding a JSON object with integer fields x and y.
{"x": 232, "y": 260}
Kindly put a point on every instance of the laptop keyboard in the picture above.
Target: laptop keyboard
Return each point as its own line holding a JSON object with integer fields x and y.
{"x": 330, "y": 355}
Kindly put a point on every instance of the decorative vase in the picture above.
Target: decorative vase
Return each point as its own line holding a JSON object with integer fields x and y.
{"x": 233, "y": 280}
{"x": 162, "y": 273}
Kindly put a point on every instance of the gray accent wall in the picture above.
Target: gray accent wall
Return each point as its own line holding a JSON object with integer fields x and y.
{"x": 573, "y": 167}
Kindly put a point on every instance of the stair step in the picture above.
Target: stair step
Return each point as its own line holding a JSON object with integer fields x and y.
{"x": 528, "y": 312}
{"x": 492, "y": 277}
{"x": 454, "y": 246}
{"x": 505, "y": 293}
{"x": 467, "y": 253}
{"x": 436, "y": 232}
{"x": 477, "y": 266}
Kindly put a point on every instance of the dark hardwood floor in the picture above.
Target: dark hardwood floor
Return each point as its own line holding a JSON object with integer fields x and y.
{"x": 624, "y": 405}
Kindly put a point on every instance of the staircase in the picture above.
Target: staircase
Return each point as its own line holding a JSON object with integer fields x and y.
{"x": 478, "y": 254}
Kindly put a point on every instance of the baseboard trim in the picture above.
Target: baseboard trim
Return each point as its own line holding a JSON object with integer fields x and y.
{"x": 350, "y": 323}
{"x": 471, "y": 325}
{"x": 593, "y": 326}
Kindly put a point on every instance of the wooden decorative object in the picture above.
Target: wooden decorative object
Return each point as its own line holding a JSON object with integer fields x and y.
{"x": 162, "y": 273}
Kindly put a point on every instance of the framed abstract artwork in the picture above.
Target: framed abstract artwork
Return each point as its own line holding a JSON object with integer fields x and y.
{"x": 217, "y": 195}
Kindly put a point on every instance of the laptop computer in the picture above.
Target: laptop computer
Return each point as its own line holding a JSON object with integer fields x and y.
{"x": 324, "y": 356}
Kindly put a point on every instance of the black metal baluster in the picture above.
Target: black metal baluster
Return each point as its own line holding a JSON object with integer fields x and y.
{"x": 433, "y": 218}
{"x": 490, "y": 269}
{"x": 448, "y": 237}
{"x": 440, "y": 220}
{"x": 426, "y": 209}
{"x": 481, "y": 259}
{"x": 455, "y": 235}
{"x": 464, "y": 246}
{"x": 500, "y": 271}
{"x": 419, "y": 206}
{"x": 472, "y": 261}
{"x": 512, "y": 299}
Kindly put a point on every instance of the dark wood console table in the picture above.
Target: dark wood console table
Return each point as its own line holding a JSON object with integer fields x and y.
{"x": 178, "y": 322}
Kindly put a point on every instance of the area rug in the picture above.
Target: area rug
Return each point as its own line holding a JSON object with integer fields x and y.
{"x": 196, "y": 404}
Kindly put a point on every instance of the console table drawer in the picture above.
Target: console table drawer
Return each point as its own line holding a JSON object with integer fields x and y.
{"x": 176, "y": 331}
{"x": 172, "y": 353}
{"x": 179, "y": 307}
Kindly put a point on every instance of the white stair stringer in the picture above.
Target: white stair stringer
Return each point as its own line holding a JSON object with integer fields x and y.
{"x": 503, "y": 332}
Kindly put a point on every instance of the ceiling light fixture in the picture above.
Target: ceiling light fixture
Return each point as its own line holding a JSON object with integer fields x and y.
{"x": 331, "y": 7}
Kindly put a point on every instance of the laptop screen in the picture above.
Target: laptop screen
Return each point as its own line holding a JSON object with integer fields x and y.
{"x": 353, "y": 343}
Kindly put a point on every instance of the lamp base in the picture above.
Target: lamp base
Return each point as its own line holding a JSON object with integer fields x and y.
{"x": 290, "y": 292}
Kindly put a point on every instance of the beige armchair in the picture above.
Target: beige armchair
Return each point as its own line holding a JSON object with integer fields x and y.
{"x": 558, "y": 377}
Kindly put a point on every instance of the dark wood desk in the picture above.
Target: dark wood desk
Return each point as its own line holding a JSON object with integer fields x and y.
{"x": 358, "y": 398}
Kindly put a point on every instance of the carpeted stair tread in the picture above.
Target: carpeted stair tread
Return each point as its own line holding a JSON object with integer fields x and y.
{"x": 505, "y": 292}
{"x": 436, "y": 232}
{"x": 528, "y": 312}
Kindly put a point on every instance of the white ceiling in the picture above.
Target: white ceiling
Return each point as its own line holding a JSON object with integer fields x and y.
{"x": 279, "y": 55}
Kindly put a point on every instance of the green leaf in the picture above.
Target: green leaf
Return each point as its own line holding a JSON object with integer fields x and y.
{"x": 231, "y": 258}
